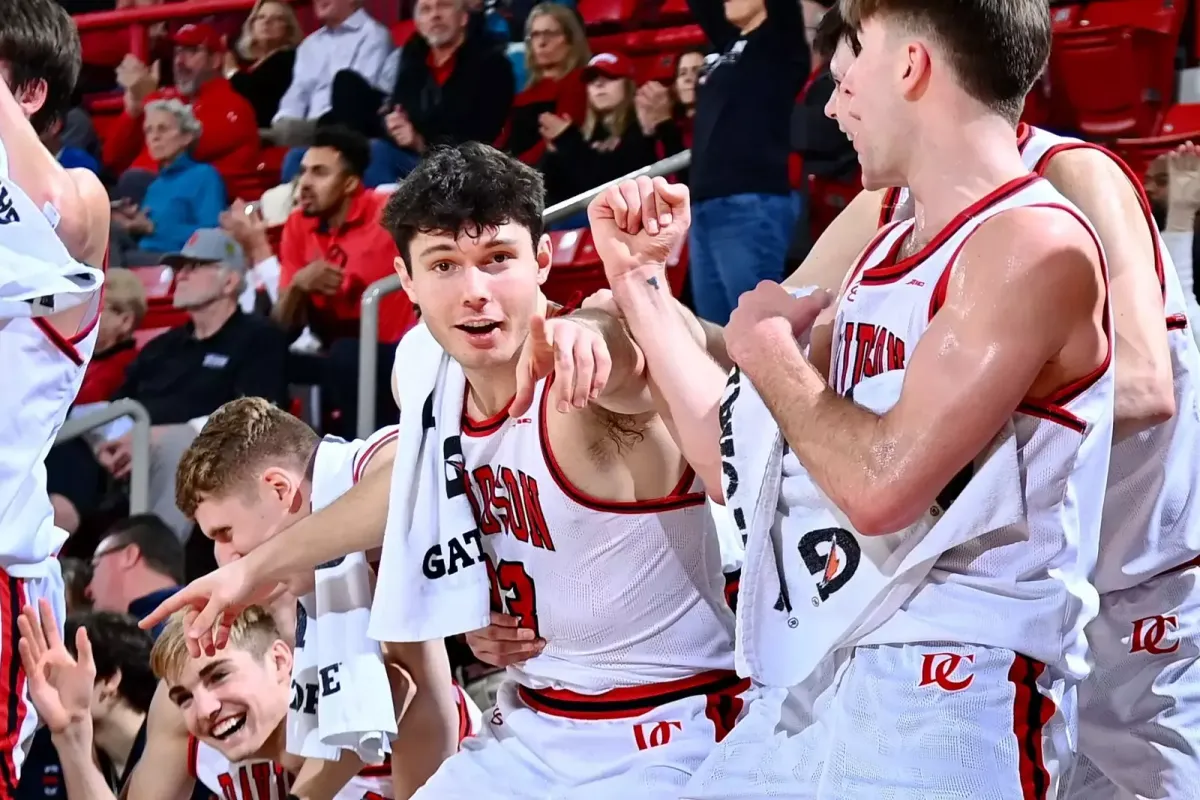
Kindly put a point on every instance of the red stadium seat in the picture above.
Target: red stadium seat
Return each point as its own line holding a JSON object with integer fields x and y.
{"x": 1180, "y": 124}
{"x": 1112, "y": 71}
{"x": 826, "y": 199}
{"x": 577, "y": 272}
{"x": 607, "y": 15}
{"x": 402, "y": 30}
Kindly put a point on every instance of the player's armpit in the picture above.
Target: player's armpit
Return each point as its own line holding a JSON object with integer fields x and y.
{"x": 835, "y": 251}
{"x": 164, "y": 771}
{"x": 319, "y": 779}
{"x": 1023, "y": 316}
{"x": 424, "y": 697}
{"x": 1144, "y": 382}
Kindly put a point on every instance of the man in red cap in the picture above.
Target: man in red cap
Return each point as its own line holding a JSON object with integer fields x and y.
{"x": 229, "y": 138}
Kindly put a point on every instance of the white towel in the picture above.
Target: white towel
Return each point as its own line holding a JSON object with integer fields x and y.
{"x": 303, "y": 729}
{"x": 37, "y": 274}
{"x": 811, "y": 583}
{"x": 433, "y": 578}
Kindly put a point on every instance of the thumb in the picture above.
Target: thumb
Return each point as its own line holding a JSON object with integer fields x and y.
{"x": 804, "y": 311}
{"x": 676, "y": 194}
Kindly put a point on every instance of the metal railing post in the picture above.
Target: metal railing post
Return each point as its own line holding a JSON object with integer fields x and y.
{"x": 139, "y": 474}
{"x": 368, "y": 341}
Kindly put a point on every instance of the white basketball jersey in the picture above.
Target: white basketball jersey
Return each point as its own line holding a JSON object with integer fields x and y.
{"x": 1151, "y": 517}
{"x": 266, "y": 780}
{"x": 1024, "y": 588}
{"x": 625, "y": 594}
{"x": 46, "y": 371}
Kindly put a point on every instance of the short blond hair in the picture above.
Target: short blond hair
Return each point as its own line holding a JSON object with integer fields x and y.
{"x": 240, "y": 438}
{"x": 253, "y": 631}
{"x": 125, "y": 293}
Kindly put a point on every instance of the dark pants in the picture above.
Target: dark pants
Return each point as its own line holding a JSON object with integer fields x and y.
{"x": 736, "y": 242}
{"x": 336, "y": 374}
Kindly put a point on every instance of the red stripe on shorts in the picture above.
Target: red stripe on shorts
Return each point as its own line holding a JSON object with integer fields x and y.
{"x": 12, "y": 681}
{"x": 631, "y": 701}
{"x": 1031, "y": 711}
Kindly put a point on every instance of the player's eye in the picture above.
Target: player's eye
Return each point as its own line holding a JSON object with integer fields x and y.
{"x": 443, "y": 266}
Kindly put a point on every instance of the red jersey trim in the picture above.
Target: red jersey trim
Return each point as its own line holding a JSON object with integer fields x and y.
{"x": 465, "y": 728}
{"x": 888, "y": 271}
{"x": 1176, "y": 322}
{"x": 193, "y": 755}
{"x": 1024, "y": 134}
{"x": 1031, "y": 711}
{"x": 360, "y": 462}
{"x": 484, "y": 427}
{"x": 680, "y": 497}
{"x": 68, "y": 344}
{"x": 633, "y": 701}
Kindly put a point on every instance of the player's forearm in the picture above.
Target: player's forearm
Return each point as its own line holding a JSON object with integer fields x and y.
{"x": 319, "y": 779}
{"x": 353, "y": 523}
{"x": 683, "y": 376}
{"x": 427, "y": 725}
{"x": 81, "y": 776}
{"x": 626, "y": 391}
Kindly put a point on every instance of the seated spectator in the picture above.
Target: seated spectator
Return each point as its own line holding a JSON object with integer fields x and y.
{"x": 333, "y": 248}
{"x": 70, "y": 157}
{"x": 610, "y": 142}
{"x": 183, "y": 197}
{"x": 138, "y": 564}
{"x": 349, "y": 42}
{"x": 124, "y": 309}
{"x": 229, "y": 134}
{"x": 267, "y": 50}
{"x": 556, "y": 50}
{"x": 190, "y": 371}
{"x": 79, "y": 132}
{"x": 124, "y": 685}
{"x": 454, "y": 84}
{"x": 77, "y": 575}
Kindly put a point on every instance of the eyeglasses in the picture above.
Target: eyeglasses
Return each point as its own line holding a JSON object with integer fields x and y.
{"x": 545, "y": 36}
{"x": 116, "y": 548}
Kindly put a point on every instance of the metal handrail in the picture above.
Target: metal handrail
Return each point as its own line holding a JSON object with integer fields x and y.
{"x": 139, "y": 475}
{"x": 368, "y": 338}
{"x": 138, "y": 20}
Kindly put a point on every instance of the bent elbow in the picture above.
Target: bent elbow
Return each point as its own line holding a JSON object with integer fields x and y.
{"x": 883, "y": 513}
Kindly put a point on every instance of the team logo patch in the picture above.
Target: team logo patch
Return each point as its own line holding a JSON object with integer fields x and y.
{"x": 832, "y": 555}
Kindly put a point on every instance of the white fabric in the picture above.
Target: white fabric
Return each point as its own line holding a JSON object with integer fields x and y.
{"x": 433, "y": 579}
{"x": 521, "y": 754}
{"x": 785, "y": 628}
{"x": 360, "y": 44}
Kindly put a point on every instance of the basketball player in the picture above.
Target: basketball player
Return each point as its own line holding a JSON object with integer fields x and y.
{"x": 46, "y": 341}
{"x": 994, "y": 307}
{"x": 250, "y": 683}
{"x": 254, "y": 471}
{"x": 578, "y": 491}
{"x": 1143, "y": 640}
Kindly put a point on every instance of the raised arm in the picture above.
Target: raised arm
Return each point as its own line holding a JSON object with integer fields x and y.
{"x": 1145, "y": 386}
{"x": 1010, "y": 309}
{"x": 165, "y": 771}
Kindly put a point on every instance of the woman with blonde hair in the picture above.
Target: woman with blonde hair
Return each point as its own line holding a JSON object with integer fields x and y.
{"x": 265, "y": 55}
{"x": 556, "y": 51}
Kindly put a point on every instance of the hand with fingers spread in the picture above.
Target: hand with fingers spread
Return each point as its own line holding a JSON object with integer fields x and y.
{"x": 504, "y": 642}
{"x": 769, "y": 311}
{"x": 571, "y": 349}
{"x": 637, "y": 224}
{"x": 60, "y": 684}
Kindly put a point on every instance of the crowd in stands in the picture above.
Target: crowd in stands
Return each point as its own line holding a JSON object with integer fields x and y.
{"x": 265, "y": 287}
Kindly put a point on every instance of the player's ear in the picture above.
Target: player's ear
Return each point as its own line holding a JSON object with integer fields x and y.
{"x": 281, "y": 661}
{"x": 406, "y": 281}
{"x": 545, "y": 257}
{"x": 31, "y": 96}
{"x": 280, "y": 483}
{"x": 915, "y": 69}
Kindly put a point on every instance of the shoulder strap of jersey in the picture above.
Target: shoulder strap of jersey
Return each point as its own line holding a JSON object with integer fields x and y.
{"x": 371, "y": 446}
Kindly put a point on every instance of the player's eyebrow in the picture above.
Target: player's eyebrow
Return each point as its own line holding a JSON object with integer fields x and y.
{"x": 449, "y": 248}
{"x": 178, "y": 694}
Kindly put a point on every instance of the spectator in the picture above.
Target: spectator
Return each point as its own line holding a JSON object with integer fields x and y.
{"x": 138, "y": 564}
{"x": 77, "y": 574}
{"x": 556, "y": 51}
{"x": 333, "y": 247}
{"x": 349, "y": 43}
{"x": 69, "y": 157}
{"x": 79, "y": 132}
{"x": 610, "y": 142}
{"x": 121, "y": 697}
{"x": 124, "y": 309}
{"x": 190, "y": 371}
{"x": 229, "y": 134}
{"x": 454, "y": 84}
{"x": 268, "y": 50}
{"x": 183, "y": 197}
{"x": 740, "y": 148}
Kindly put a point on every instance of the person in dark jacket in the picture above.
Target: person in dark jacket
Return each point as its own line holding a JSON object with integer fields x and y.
{"x": 454, "y": 84}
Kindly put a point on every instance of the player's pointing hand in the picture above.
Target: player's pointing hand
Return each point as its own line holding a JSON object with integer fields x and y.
{"x": 571, "y": 349}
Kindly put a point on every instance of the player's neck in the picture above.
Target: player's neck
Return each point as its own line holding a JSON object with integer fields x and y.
{"x": 489, "y": 391}
{"x": 957, "y": 165}
{"x": 116, "y": 733}
{"x": 275, "y": 747}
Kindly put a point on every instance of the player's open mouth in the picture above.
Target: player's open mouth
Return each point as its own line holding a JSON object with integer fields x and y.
{"x": 481, "y": 328}
{"x": 228, "y": 727}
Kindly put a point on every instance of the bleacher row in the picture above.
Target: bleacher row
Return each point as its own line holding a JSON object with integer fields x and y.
{"x": 1112, "y": 78}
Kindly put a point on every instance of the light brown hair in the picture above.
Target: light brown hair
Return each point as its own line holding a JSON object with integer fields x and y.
{"x": 997, "y": 48}
{"x": 254, "y": 631}
{"x": 572, "y": 28}
{"x": 125, "y": 293}
{"x": 250, "y": 50}
{"x": 241, "y": 438}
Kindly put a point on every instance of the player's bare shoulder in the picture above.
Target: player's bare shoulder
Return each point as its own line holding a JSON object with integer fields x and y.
{"x": 86, "y": 230}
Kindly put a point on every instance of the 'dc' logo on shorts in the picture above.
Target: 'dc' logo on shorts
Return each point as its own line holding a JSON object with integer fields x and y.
{"x": 833, "y": 555}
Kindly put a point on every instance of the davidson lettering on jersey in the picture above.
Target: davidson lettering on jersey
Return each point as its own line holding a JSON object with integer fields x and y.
{"x": 867, "y": 350}
{"x": 506, "y": 500}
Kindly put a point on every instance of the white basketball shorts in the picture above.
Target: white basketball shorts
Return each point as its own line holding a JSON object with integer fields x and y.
{"x": 18, "y": 718}
{"x": 1139, "y": 710}
{"x": 640, "y": 743}
{"x": 906, "y": 722}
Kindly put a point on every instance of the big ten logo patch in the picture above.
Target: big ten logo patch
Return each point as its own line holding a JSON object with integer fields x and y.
{"x": 306, "y": 696}
{"x": 866, "y": 351}
{"x": 1154, "y": 635}
{"x": 944, "y": 671}
{"x": 259, "y": 781}
{"x": 832, "y": 555}
{"x": 654, "y": 734}
{"x": 506, "y": 500}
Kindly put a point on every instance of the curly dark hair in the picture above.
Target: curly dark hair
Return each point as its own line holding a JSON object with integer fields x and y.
{"x": 465, "y": 189}
{"x": 118, "y": 645}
